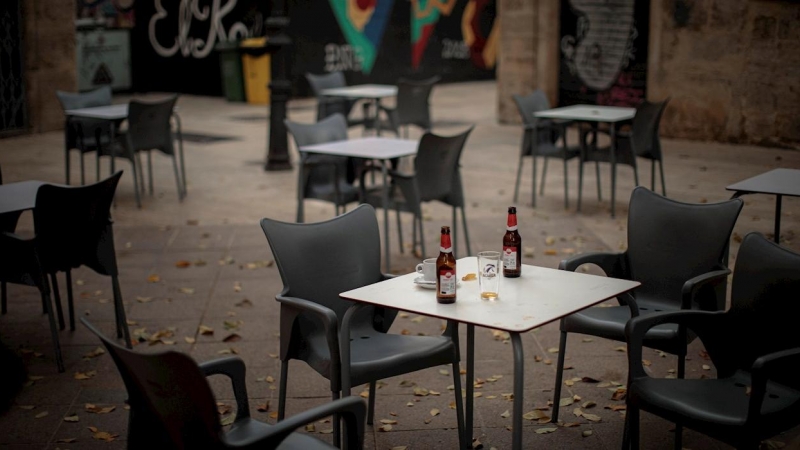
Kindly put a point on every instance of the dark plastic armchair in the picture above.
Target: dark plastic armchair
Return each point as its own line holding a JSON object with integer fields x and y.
{"x": 86, "y": 135}
{"x": 72, "y": 227}
{"x": 172, "y": 406}
{"x": 324, "y": 177}
{"x": 319, "y": 261}
{"x": 328, "y": 106}
{"x": 541, "y": 140}
{"x": 678, "y": 251}
{"x": 150, "y": 128}
{"x": 437, "y": 176}
{"x": 640, "y": 141}
{"x": 413, "y": 105}
{"x": 754, "y": 346}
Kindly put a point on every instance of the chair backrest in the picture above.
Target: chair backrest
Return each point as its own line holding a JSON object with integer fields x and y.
{"x": 764, "y": 308}
{"x": 413, "y": 106}
{"x": 330, "y": 129}
{"x": 644, "y": 132}
{"x": 437, "y": 166}
{"x": 73, "y": 226}
{"x": 324, "y": 81}
{"x": 317, "y": 261}
{"x": 527, "y": 105}
{"x": 75, "y": 100}
{"x": 670, "y": 242}
{"x": 149, "y": 125}
{"x": 169, "y": 388}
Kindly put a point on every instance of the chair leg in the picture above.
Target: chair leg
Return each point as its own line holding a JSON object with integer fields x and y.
{"x": 150, "y": 171}
{"x": 533, "y": 190}
{"x": 83, "y": 169}
{"x": 399, "y": 232}
{"x": 663, "y": 183}
{"x": 371, "y": 403}
{"x": 136, "y": 182}
{"x": 463, "y": 440}
{"x": 119, "y": 309}
{"x": 66, "y": 165}
{"x": 544, "y": 174}
{"x": 580, "y": 183}
{"x": 282, "y": 390}
{"x": 414, "y": 236}
{"x": 678, "y": 443}
{"x": 57, "y": 299}
{"x": 466, "y": 232}
{"x": 562, "y": 347}
{"x": 177, "y": 178}
{"x": 337, "y": 424}
{"x": 519, "y": 175}
{"x": 53, "y": 330}
{"x": 70, "y": 303}
{"x": 454, "y": 234}
{"x": 421, "y": 236}
{"x": 97, "y": 166}
{"x": 566, "y": 185}
{"x": 653, "y": 175}
{"x": 599, "y": 191}
{"x": 632, "y": 415}
{"x": 3, "y": 298}
{"x": 635, "y": 175}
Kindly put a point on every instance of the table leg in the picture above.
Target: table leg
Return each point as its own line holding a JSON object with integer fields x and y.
{"x": 385, "y": 202}
{"x": 377, "y": 117}
{"x": 519, "y": 375}
{"x": 300, "y": 183}
{"x": 778, "y": 218}
{"x": 470, "y": 384}
{"x": 612, "y": 132}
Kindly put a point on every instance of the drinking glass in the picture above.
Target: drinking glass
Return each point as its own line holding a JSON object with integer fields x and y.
{"x": 489, "y": 275}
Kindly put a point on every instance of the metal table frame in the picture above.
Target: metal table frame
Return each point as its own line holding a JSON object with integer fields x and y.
{"x": 778, "y": 182}
{"x": 373, "y": 92}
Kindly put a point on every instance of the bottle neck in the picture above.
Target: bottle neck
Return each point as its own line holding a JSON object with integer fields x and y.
{"x": 446, "y": 246}
{"x": 511, "y": 225}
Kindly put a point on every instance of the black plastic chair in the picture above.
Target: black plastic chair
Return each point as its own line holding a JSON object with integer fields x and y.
{"x": 754, "y": 346}
{"x": 73, "y": 227}
{"x": 327, "y": 178}
{"x": 641, "y": 140}
{"x": 541, "y": 140}
{"x": 172, "y": 406}
{"x": 319, "y": 261}
{"x": 85, "y": 135}
{"x": 328, "y": 106}
{"x": 678, "y": 251}
{"x": 436, "y": 177}
{"x": 412, "y": 107}
{"x": 150, "y": 128}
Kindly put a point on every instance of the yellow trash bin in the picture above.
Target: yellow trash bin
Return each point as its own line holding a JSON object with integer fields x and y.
{"x": 256, "y": 70}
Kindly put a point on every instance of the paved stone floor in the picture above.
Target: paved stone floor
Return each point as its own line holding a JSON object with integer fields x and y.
{"x": 231, "y": 282}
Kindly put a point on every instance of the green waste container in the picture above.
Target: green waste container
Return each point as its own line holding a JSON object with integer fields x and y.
{"x": 230, "y": 66}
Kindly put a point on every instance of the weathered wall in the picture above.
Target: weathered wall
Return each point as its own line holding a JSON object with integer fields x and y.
{"x": 730, "y": 66}
{"x": 50, "y": 63}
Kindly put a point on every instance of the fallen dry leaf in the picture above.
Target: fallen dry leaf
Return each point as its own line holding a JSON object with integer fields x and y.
{"x": 85, "y": 375}
{"x": 264, "y": 407}
{"x": 566, "y": 401}
{"x": 91, "y": 408}
{"x": 41, "y": 414}
{"x": 66, "y": 440}
{"x": 153, "y": 278}
{"x": 385, "y": 428}
{"x": 550, "y": 252}
{"x": 591, "y": 417}
{"x": 545, "y": 430}
{"x": 421, "y": 392}
{"x": 94, "y": 353}
{"x": 102, "y": 435}
{"x": 205, "y": 330}
{"x": 506, "y": 414}
{"x": 388, "y": 422}
{"x": 706, "y": 367}
{"x": 187, "y": 290}
{"x": 73, "y": 418}
{"x": 232, "y": 338}
{"x": 182, "y": 264}
{"x": 189, "y": 340}
{"x": 310, "y": 428}
{"x": 586, "y": 433}
{"x": 434, "y": 412}
{"x": 144, "y": 299}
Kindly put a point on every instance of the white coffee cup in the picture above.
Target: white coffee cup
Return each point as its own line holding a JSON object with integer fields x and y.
{"x": 427, "y": 268}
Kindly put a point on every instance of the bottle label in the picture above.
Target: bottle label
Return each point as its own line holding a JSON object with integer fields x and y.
{"x": 446, "y": 245}
{"x": 446, "y": 250}
{"x": 510, "y": 257}
{"x": 511, "y": 224}
{"x": 447, "y": 282}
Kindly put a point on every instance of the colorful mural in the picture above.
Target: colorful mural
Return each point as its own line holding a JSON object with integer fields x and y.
{"x": 424, "y": 16}
{"x": 363, "y": 22}
{"x": 482, "y": 48}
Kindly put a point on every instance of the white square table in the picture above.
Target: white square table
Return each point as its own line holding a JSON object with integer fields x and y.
{"x": 778, "y": 182}
{"x": 18, "y": 197}
{"x": 539, "y": 296}
{"x": 373, "y": 92}
{"x": 370, "y": 148}
{"x": 594, "y": 114}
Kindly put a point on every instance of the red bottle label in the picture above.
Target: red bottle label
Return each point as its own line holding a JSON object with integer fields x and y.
{"x": 446, "y": 246}
{"x": 512, "y": 222}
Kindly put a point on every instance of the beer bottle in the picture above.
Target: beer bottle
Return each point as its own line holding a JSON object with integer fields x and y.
{"x": 512, "y": 247}
{"x": 446, "y": 270}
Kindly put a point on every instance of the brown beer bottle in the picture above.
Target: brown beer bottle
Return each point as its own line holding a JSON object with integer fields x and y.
{"x": 512, "y": 247}
{"x": 446, "y": 270}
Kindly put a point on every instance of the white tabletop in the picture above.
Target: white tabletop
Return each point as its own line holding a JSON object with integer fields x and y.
{"x": 776, "y": 181}
{"x": 362, "y": 91}
{"x": 589, "y": 113}
{"x": 15, "y": 197}
{"x": 537, "y": 297}
{"x": 368, "y": 148}
{"x": 110, "y": 112}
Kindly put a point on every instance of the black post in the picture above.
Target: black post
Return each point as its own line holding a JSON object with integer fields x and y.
{"x": 280, "y": 88}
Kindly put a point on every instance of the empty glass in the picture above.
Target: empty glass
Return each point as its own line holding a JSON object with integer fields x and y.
{"x": 489, "y": 275}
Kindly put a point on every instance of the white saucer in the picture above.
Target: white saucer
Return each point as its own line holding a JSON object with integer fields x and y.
{"x": 420, "y": 281}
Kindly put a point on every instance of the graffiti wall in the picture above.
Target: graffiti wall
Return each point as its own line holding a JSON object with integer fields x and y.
{"x": 603, "y": 52}
{"x": 375, "y": 41}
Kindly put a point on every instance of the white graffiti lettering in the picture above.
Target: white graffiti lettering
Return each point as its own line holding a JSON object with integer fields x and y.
{"x": 341, "y": 58}
{"x": 188, "y": 11}
{"x": 452, "y": 49}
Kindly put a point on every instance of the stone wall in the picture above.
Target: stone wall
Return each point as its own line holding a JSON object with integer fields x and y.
{"x": 50, "y": 62}
{"x": 730, "y": 67}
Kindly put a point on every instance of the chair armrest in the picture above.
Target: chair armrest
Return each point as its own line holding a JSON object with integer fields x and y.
{"x": 345, "y": 344}
{"x": 637, "y": 328}
{"x": 613, "y": 264}
{"x": 292, "y": 307}
{"x": 351, "y": 409}
{"x": 762, "y": 370}
{"x": 693, "y": 286}
{"x": 233, "y": 367}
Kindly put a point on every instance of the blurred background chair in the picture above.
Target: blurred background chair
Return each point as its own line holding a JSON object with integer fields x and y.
{"x": 540, "y": 139}
{"x": 317, "y": 262}
{"x": 172, "y": 406}
{"x": 678, "y": 251}
{"x": 412, "y": 107}
{"x": 641, "y": 140}
{"x": 328, "y": 178}
{"x": 754, "y": 347}
{"x": 73, "y": 227}
{"x": 436, "y": 177}
{"x": 85, "y": 135}
{"x": 328, "y": 106}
